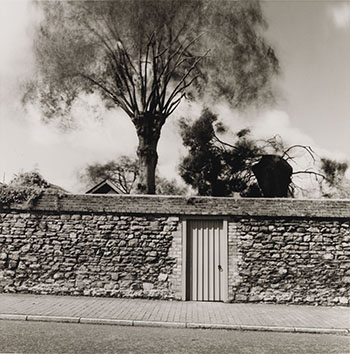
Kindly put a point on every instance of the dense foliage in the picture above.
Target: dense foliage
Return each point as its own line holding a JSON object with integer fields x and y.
{"x": 11, "y": 194}
{"x": 26, "y": 187}
{"x": 252, "y": 167}
{"x": 214, "y": 167}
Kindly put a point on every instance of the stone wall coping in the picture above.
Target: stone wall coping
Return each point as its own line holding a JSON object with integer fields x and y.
{"x": 180, "y": 205}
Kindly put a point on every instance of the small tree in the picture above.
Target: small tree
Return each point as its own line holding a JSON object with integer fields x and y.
{"x": 334, "y": 184}
{"x": 124, "y": 173}
{"x": 145, "y": 56}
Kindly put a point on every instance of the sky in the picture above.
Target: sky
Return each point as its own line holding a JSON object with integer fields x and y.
{"x": 311, "y": 40}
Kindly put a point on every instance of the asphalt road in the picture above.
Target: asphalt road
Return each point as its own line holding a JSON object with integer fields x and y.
{"x": 40, "y": 337}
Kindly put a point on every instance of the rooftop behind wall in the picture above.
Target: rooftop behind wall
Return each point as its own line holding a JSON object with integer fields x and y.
{"x": 175, "y": 205}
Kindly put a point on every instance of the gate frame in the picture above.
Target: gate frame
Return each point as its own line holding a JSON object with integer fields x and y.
{"x": 185, "y": 250}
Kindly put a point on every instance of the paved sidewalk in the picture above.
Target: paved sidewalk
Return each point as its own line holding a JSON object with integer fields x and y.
{"x": 138, "y": 312}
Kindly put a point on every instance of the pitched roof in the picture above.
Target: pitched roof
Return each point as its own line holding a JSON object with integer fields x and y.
{"x": 104, "y": 187}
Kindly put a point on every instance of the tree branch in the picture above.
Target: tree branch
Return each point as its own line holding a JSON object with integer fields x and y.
{"x": 123, "y": 104}
{"x": 311, "y": 173}
{"x": 178, "y": 87}
{"x": 307, "y": 148}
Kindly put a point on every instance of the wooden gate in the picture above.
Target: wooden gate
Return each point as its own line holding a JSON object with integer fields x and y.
{"x": 206, "y": 260}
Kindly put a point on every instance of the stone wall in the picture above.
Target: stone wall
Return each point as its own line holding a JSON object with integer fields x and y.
{"x": 279, "y": 250}
{"x": 290, "y": 261}
{"x": 102, "y": 255}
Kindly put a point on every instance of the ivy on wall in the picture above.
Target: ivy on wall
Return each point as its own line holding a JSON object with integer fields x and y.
{"x": 10, "y": 195}
{"x": 26, "y": 188}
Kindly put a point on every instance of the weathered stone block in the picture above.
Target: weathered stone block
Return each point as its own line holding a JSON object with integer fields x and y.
{"x": 328, "y": 256}
{"x": 162, "y": 277}
{"x": 344, "y": 300}
{"x": 346, "y": 279}
{"x": 3, "y": 256}
{"x": 152, "y": 253}
{"x": 241, "y": 297}
{"x": 147, "y": 286}
{"x": 133, "y": 242}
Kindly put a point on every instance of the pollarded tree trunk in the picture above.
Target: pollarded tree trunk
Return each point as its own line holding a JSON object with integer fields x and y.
{"x": 148, "y": 158}
{"x": 148, "y": 127}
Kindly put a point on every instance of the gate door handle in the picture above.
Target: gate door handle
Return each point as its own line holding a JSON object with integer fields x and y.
{"x": 220, "y": 268}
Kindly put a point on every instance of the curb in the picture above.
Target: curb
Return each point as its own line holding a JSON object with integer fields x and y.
{"x": 192, "y": 325}
{"x": 105, "y": 321}
{"x": 62, "y": 319}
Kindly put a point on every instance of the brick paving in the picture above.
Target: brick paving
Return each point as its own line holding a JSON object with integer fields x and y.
{"x": 207, "y": 313}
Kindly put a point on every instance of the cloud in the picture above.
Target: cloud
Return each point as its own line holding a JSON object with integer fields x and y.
{"x": 59, "y": 156}
{"x": 17, "y": 18}
{"x": 341, "y": 15}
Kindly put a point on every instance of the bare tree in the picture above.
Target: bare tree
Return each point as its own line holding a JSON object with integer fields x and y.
{"x": 124, "y": 172}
